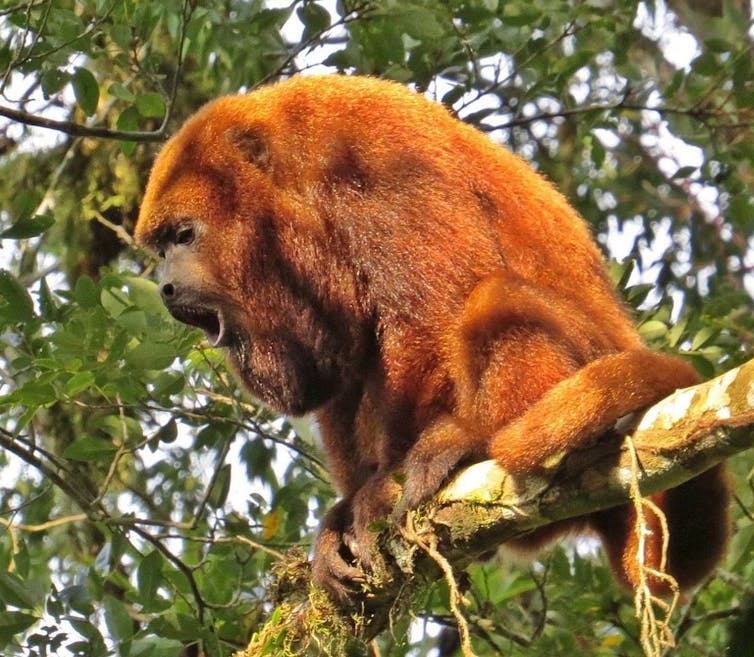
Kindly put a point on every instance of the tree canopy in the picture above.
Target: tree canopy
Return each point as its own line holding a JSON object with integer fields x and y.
{"x": 144, "y": 500}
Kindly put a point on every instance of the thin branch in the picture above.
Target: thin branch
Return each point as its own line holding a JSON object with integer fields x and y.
{"x": 701, "y": 115}
{"x": 10, "y": 442}
{"x": 79, "y": 130}
{"x": 180, "y": 565}
{"x": 219, "y": 463}
{"x": 120, "y": 232}
{"x": 75, "y": 129}
{"x": 23, "y": 5}
{"x": 44, "y": 526}
{"x": 354, "y": 14}
{"x": 187, "y": 12}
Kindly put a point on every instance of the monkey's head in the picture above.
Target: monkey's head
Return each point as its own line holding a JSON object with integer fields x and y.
{"x": 246, "y": 258}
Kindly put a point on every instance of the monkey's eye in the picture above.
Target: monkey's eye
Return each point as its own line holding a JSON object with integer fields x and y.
{"x": 184, "y": 235}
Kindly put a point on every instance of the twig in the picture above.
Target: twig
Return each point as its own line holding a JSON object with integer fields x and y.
{"x": 259, "y": 546}
{"x": 79, "y": 130}
{"x": 355, "y": 13}
{"x": 119, "y": 231}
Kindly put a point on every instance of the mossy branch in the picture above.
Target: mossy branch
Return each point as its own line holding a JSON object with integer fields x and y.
{"x": 484, "y": 506}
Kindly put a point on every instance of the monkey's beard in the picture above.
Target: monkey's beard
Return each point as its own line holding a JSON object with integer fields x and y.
{"x": 279, "y": 370}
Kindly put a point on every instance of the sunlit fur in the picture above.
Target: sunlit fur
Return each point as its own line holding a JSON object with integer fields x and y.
{"x": 423, "y": 291}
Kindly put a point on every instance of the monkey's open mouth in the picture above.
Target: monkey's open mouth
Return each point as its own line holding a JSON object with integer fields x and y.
{"x": 207, "y": 319}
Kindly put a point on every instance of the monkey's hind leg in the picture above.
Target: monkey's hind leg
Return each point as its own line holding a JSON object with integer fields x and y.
{"x": 581, "y": 407}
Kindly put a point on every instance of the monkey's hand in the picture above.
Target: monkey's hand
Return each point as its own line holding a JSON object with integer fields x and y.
{"x": 347, "y": 551}
{"x": 372, "y": 506}
{"x": 442, "y": 448}
{"x": 335, "y": 566}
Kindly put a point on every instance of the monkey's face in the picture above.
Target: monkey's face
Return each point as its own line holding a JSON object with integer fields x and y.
{"x": 243, "y": 263}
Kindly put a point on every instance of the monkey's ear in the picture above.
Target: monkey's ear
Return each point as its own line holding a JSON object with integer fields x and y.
{"x": 251, "y": 145}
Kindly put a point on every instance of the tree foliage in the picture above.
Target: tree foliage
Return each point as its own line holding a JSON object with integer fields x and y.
{"x": 143, "y": 500}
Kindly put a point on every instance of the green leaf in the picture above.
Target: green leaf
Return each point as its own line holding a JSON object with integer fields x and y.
{"x": 155, "y": 646}
{"x": 151, "y": 105}
{"x": 21, "y": 558}
{"x": 675, "y": 83}
{"x": 512, "y": 589}
{"x": 598, "y": 153}
{"x": 718, "y": 45}
{"x": 149, "y": 576}
{"x": 34, "y": 394}
{"x": 151, "y": 356}
{"x": 741, "y": 548}
{"x": 684, "y": 172}
{"x": 120, "y": 427}
{"x": 559, "y": 563}
{"x": 119, "y": 622}
{"x": 95, "y": 644}
{"x": 418, "y": 22}
{"x": 166, "y": 434}
{"x": 165, "y": 385}
{"x": 86, "y": 90}
{"x": 677, "y": 331}
{"x": 128, "y": 121}
{"x": 742, "y": 73}
{"x": 79, "y": 382}
{"x": 741, "y": 210}
{"x": 26, "y": 203}
{"x": 89, "y": 448}
{"x": 703, "y": 336}
{"x": 47, "y": 305}
{"x": 146, "y": 295}
{"x": 86, "y": 292}
{"x": 525, "y": 16}
{"x": 706, "y": 64}
{"x": 16, "y": 305}
{"x": 114, "y": 301}
{"x": 53, "y": 81}
{"x": 219, "y": 579}
{"x": 653, "y": 329}
{"x": 13, "y": 591}
{"x": 314, "y": 17}
{"x": 122, "y": 35}
{"x": 14, "y": 622}
{"x": 220, "y": 490}
{"x": 120, "y": 92}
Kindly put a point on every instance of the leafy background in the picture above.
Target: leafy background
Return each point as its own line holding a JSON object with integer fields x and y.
{"x": 143, "y": 500}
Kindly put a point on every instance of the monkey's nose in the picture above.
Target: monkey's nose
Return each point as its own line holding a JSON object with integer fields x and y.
{"x": 167, "y": 292}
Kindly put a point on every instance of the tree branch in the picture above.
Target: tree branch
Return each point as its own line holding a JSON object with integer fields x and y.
{"x": 484, "y": 506}
{"x": 79, "y": 130}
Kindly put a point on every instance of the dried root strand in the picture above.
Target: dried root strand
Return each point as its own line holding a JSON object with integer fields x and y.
{"x": 455, "y": 596}
{"x": 656, "y": 633}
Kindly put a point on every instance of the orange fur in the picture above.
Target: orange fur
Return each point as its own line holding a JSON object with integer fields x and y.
{"x": 431, "y": 299}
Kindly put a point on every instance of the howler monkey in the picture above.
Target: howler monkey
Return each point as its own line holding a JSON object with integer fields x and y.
{"x": 366, "y": 257}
